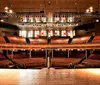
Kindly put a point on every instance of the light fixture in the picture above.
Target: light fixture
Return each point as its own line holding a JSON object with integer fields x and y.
{"x": 89, "y": 10}
{"x": 97, "y": 20}
{"x": 10, "y": 11}
{"x": 6, "y": 11}
{"x": 2, "y": 20}
{"x": 6, "y": 8}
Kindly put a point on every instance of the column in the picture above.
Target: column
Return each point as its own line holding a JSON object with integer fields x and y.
{"x": 49, "y": 59}
{"x": 52, "y": 53}
{"x": 68, "y": 53}
{"x": 12, "y": 54}
{"x": 45, "y": 57}
{"x": 30, "y": 54}
{"x": 86, "y": 54}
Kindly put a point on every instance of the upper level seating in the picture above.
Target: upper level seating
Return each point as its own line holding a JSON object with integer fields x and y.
{"x": 38, "y": 41}
{"x": 80, "y": 40}
{"x": 96, "y": 39}
{"x": 18, "y": 40}
{"x": 59, "y": 41}
{"x": 2, "y": 39}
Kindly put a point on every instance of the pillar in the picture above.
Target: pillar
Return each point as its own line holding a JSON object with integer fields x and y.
{"x": 30, "y": 54}
{"x": 49, "y": 58}
{"x": 86, "y": 53}
{"x": 68, "y": 53}
{"x": 45, "y": 57}
{"x": 12, "y": 54}
{"x": 52, "y": 53}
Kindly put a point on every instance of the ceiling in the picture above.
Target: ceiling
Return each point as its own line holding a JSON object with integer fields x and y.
{"x": 51, "y": 5}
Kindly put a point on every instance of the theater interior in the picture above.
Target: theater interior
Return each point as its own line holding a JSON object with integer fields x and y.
{"x": 49, "y": 42}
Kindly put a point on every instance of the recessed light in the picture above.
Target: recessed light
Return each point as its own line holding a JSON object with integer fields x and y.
{"x": 6, "y": 11}
{"x": 97, "y": 20}
{"x": 91, "y": 8}
{"x": 6, "y": 8}
{"x": 10, "y": 11}
{"x": 75, "y": 3}
{"x": 2, "y": 20}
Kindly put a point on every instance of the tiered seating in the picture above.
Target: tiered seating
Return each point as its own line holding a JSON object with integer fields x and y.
{"x": 75, "y": 57}
{"x": 96, "y": 39}
{"x": 38, "y": 54}
{"x": 60, "y": 53}
{"x": 17, "y": 40}
{"x": 18, "y": 56}
{"x": 63, "y": 62}
{"x": 2, "y": 39}
{"x": 59, "y": 41}
{"x": 4, "y": 63}
{"x": 92, "y": 61}
{"x": 38, "y": 41}
{"x": 23, "y": 60}
{"x": 77, "y": 54}
{"x": 80, "y": 40}
{"x": 31, "y": 62}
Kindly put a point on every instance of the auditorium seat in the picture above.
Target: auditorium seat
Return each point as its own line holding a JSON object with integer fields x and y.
{"x": 63, "y": 62}
{"x": 77, "y": 54}
{"x": 18, "y": 56}
{"x": 31, "y": 62}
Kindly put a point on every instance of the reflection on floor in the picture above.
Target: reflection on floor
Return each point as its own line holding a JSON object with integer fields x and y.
{"x": 50, "y": 76}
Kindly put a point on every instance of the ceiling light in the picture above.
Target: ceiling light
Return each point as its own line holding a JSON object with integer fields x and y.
{"x": 6, "y": 8}
{"x": 75, "y": 3}
{"x": 10, "y": 11}
{"x": 2, "y": 20}
{"x": 91, "y": 8}
{"x": 97, "y": 20}
{"x": 87, "y": 11}
{"x": 6, "y": 11}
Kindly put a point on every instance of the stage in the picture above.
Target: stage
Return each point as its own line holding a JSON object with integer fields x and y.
{"x": 50, "y": 76}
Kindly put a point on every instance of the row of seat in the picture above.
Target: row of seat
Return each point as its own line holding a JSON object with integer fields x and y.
{"x": 53, "y": 41}
{"x": 23, "y": 60}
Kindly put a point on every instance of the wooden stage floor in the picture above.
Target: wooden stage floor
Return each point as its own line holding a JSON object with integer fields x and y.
{"x": 50, "y": 76}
